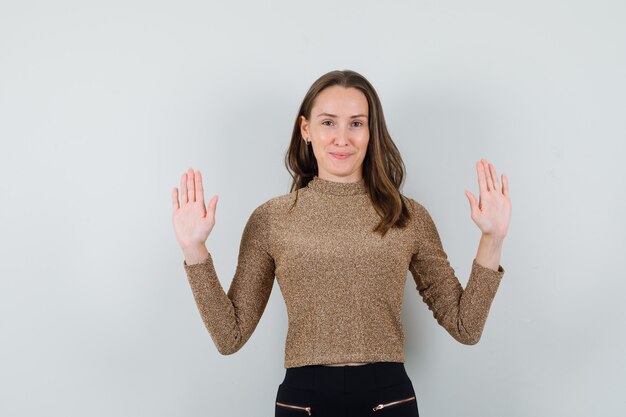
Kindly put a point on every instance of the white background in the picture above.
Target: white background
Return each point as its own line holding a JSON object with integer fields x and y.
{"x": 103, "y": 106}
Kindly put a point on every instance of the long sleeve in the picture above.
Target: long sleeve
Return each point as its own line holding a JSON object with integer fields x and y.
{"x": 462, "y": 313}
{"x": 231, "y": 318}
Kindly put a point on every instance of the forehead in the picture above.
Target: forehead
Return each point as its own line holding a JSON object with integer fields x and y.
{"x": 340, "y": 100}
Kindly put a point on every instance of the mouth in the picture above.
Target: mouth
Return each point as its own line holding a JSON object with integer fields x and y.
{"x": 340, "y": 155}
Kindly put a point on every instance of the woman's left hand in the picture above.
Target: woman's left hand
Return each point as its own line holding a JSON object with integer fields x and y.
{"x": 492, "y": 213}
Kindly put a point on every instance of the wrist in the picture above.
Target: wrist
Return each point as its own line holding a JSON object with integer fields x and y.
{"x": 195, "y": 254}
{"x": 492, "y": 239}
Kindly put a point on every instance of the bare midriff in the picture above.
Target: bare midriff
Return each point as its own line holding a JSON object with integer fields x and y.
{"x": 349, "y": 363}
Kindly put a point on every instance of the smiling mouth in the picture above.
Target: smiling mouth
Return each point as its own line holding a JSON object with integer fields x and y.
{"x": 340, "y": 155}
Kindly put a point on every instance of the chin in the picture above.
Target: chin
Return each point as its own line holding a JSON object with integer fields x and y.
{"x": 342, "y": 173}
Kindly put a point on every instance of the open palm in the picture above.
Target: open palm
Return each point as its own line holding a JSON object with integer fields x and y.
{"x": 492, "y": 212}
{"x": 193, "y": 221}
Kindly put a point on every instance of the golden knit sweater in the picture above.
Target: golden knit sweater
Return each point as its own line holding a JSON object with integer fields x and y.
{"x": 342, "y": 283}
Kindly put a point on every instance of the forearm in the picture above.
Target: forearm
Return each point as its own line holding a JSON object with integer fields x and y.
{"x": 489, "y": 251}
{"x": 216, "y": 307}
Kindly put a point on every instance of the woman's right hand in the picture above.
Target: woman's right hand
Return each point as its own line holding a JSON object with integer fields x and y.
{"x": 193, "y": 221}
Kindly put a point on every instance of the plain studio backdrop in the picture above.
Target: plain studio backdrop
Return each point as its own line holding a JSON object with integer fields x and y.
{"x": 104, "y": 105}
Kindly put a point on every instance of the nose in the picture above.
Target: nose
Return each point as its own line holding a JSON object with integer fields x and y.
{"x": 342, "y": 136}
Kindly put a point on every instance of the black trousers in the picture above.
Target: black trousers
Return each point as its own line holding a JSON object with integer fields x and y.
{"x": 376, "y": 389}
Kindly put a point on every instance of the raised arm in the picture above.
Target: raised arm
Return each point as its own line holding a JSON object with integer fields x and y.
{"x": 230, "y": 318}
{"x": 462, "y": 312}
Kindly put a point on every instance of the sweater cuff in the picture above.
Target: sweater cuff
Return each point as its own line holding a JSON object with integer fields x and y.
{"x": 484, "y": 271}
{"x": 201, "y": 265}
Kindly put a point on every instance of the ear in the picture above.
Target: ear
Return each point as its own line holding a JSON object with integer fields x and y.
{"x": 304, "y": 127}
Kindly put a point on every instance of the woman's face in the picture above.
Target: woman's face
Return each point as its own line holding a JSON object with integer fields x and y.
{"x": 338, "y": 131}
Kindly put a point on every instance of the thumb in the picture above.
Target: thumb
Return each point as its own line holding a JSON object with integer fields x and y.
{"x": 472, "y": 201}
{"x": 211, "y": 207}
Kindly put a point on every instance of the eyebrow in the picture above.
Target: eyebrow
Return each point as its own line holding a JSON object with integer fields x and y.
{"x": 334, "y": 115}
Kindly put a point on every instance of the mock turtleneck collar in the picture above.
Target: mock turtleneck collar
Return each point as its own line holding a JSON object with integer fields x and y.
{"x": 337, "y": 188}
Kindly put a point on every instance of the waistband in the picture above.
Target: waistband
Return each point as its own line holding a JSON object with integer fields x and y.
{"x": 347, "y": 378}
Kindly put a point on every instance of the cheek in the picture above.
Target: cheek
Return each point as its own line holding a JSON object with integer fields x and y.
{"x": 364, "y": 142}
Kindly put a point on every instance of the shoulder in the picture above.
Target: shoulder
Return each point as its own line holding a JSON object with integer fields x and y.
{"x": 413, "y": 204}
{"x": 418, "y": 211}
{"x": 273, "y": 206}
{"x": 264, "y": 217}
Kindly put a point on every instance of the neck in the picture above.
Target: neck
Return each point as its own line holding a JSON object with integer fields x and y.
{"x": 327, "y": 186}
{"x": 354, "y": 177}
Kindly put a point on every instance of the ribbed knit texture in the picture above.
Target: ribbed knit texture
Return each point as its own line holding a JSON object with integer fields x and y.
{"x": 342, "y": 283}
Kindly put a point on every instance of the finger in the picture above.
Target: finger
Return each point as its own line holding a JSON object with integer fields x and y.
{"x": 199, "y": 189}
{"x": 175, "y": 205}
{"x": 183, "y": 189}
{"x": 482, "y": 182}
{"x": 494, "y": 177}
{"x": 211, "y": 208}
{"x": 487, "y": 175}
{"x": 191, "y": 189}
{"x": 472, "y": 200}
{"x": 505, "y": 185}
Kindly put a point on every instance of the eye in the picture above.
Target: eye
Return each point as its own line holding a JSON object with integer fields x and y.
{"x": 360, "y": 124}
{"x": 326, "y": 121}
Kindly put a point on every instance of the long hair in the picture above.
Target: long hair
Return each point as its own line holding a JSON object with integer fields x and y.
{"x": 383, "y": 168}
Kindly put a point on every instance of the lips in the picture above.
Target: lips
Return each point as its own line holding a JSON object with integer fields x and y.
{"x": 340, "y": 155}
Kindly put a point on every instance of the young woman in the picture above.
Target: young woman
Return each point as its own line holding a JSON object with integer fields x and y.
{"x": 340, "y": 244}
